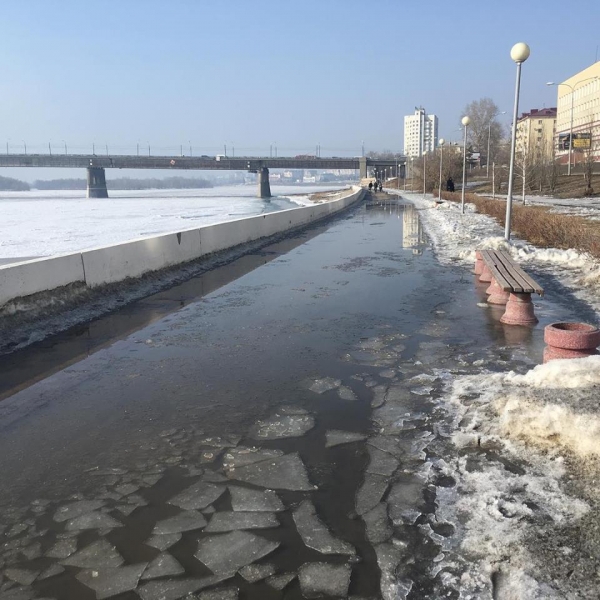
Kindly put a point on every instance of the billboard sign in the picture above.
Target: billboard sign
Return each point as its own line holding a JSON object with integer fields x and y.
{"x": 582, "y": 141}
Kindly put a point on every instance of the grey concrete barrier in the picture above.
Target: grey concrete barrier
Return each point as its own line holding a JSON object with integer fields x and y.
{"x": 100, "y": 266}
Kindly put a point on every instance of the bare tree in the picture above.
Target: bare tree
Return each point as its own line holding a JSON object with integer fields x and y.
{"x": 483, "y": 114}
{"x": 589, "y": 162}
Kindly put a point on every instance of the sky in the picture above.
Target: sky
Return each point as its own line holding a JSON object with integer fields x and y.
{"x": 253, "y": 75}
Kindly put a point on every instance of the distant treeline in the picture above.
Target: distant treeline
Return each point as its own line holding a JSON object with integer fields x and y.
{"x": 125, "y": 183}
{"x": 8, "y": 184}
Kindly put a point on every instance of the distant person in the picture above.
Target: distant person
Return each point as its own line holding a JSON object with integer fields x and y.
{"x": 370, "y": 185}
{"x": 380, "y": 186}
{"x": 450, "y": 185}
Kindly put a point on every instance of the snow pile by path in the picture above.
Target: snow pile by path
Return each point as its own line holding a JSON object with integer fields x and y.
{"x": 457, "y": 236}
{"x": 530, "y": 515}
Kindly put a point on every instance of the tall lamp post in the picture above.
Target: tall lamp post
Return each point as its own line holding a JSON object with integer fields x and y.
{"x": 572, "y": 88}
{"x": 424, "y": 170}
{"x": 519, "y": 53}
{"x": 441, "y": 143}
{"x": 465, "y": 121}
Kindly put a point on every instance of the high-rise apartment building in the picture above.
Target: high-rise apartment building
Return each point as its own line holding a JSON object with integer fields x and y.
{"x": 420, "y": 133}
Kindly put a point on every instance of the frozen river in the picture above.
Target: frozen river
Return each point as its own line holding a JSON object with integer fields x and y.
{"x": 47, "y": 223}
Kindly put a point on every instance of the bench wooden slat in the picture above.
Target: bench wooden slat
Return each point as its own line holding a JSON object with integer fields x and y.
{"x": 528, "y": 281}
{"x": 509, "y": 276}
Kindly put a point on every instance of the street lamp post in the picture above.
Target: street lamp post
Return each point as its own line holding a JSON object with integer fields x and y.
{"x": 572, "y": 88}
{"x": 465, "y": 121}
{"x": 65, "y": 143}
{"x": 519, "y": 53}
{"x": 424, "y": 170}
{"x": 25, "y": 146}
{"x": 441, "y": 143}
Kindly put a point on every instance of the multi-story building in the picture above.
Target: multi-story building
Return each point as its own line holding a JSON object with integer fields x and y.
{"x": 420, "y": 133}
{"x": 579, "y": 101}
{"x": 536, "y": 131}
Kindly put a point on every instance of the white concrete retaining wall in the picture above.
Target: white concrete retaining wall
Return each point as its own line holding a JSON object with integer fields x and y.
{"x": 100, "y": 266}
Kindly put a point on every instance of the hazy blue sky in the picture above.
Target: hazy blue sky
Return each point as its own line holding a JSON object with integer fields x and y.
{"x": 256, "y": 72}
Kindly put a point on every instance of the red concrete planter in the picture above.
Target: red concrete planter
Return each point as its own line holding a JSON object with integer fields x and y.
{"x": 486, "y": 274}
{"x": 478, "y": 263}
{"x": 572, "y": 336}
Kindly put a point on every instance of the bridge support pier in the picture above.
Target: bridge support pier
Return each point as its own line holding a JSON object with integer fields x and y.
{"x": 96, "y": 183}
{"x": 264, "y": 187}
{"x": 363, "y": 167}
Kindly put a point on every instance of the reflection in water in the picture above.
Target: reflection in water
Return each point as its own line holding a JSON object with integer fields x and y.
{"x": 412, "y": 230}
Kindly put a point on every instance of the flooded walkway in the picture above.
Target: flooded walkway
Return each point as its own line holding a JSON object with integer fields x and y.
{"x": 281, "y": 437}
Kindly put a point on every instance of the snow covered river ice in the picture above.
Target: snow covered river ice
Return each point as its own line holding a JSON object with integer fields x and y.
{"x": 314, "y": 428}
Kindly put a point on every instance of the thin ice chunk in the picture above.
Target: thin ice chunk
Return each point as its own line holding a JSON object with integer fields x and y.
{"x": 345, "y": 393}
{"x": 226, "y": 554}
{"x": 370, "y": 492}
{"x": 318, "y": 579}
{"x": 198, "y": 496}
{"x": 22, "y": 576}
{"x": 239, "y": 457}
{"x": 379, "y": 396}
{"x": 225, "y": 594}
{"x": 377, "y": 524}
{"x": 288, "y": 409}
{"x": 51, "y": 571}
{"x": 110, "y": 582}
{"x": 175, "y": 589}
{"x": 62, "y": 548}
{"x": 98, "y": 555}
{"x": 406, "y": 501}
{"x": 314, "y": 533}
{"x": 20, "y": 593}
{"x": 230, "y": 521}
{"x": 336, "y": 438}
{"x": 254, "y": 573}
{"x": 162, "y": 542}
{"x": 320, "y": 386}
{"x": 246, "y": 499}
{"x": 278, "y": 582}
{"x": 162, "y": 566}
{"x": 93, "y": 520}
{"x": 285, "y": 473}
{"x": 380, "y": 462}
{"x": 282, "y": 426}
{"x": 185, "y": 521}
{"x": 76, "y": 509}
{"x": 388, "y": 559}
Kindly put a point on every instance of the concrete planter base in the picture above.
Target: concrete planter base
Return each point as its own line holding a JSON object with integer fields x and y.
{"x": 486, "y": 274}
{"x": 478, "y": 263}
{"x": 496, "y": 295}
{"x": 519, "y": 310}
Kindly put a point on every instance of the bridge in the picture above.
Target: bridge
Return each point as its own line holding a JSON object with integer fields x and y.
{"x": 97, "y": 164}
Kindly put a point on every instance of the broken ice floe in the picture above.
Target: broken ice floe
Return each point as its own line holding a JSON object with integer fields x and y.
{"x": 185, "y": 521}
{"x": 256, "y": 572}
{"x": 279, "y": 582}
{"x": 318, "y": 579}
{"x": 380, "y": 462}
{"x": 336, "y": 438}
{"x": 51, "y": 571}
{"x": 198, "y": 496}
{"x": 230, "y": 521}
{"x": 76, "y": 509}
{"x": 377, "y": 524}
{"x": 286, "y": 472}
{"x": 94, "y": 520}
{"x": 226, "y": 554}
{"x": 22, "y": 576}
{"x": 405, "y": 499}
{"x": 320, "y": 386}
{"x": 163, "y": 565}
{"x": 315, "y": 534}
{"x": 164, "y": 541}
{"x": 98, "y": 555}
{"x": 282, "y": 426}
{"x": 224, "y": 594}
{"x": 110, "y": 582}
{"x": 246, "y": 499}
{"x": 370, "y": 492}
{"x": 239, "y": 457}
{"x": 345, "y": 393}
{"x": 176, "y": 588}
{"x": 62, "y": 548}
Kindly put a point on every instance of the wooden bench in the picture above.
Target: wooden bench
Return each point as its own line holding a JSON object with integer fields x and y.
{"x": 509, "y": 285}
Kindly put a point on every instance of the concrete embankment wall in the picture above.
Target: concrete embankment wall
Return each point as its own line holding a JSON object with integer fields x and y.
{"x": 101, "y": 266}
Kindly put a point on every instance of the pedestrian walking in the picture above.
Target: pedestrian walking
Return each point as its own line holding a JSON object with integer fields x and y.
{"x": 450, "y": 185}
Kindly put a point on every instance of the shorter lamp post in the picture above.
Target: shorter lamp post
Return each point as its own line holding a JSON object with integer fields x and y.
{"x": 441, "y": 143}
{"x": 424, "y": 170}
{"x": 465, "y": 121}
{"x": 519, "y": 53}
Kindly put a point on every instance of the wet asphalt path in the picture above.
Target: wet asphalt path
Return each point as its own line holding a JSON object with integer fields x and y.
{"x": 327, "y": 336}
